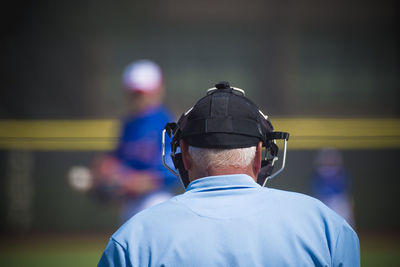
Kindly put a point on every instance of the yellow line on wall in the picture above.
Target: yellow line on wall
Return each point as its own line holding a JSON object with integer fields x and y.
{"x": 354, "y": 133}
{"x": 58, "y": 134}
{"x": 305, "y": 133}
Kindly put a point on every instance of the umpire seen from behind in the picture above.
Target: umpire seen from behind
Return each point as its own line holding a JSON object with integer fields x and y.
{"x": 224, "y": 148}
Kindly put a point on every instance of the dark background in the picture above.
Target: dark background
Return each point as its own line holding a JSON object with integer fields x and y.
{"x": 63, "y": 60}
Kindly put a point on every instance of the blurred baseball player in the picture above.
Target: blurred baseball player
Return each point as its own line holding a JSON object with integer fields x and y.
{"x": 133, "y": 171}
{"x": 331, "y": 183}
{"x": 224, "y": 148}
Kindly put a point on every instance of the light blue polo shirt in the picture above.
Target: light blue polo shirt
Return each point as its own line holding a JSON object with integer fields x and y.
{"x": 232, "y": 221}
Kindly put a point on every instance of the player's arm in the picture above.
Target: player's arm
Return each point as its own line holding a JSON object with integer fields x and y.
{"x": 108, "y": 171}
{"x": 105, "y": 169}
{"x": 139, "y": 182}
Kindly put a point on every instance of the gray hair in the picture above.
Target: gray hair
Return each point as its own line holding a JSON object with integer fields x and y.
{"x": 206, "y": 157}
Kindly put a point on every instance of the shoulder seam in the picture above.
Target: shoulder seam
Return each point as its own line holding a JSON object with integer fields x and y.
{"x": 117, "y": 242}
{"x": 336, "y": 244}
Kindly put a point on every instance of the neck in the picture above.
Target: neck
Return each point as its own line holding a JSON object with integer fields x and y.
{"x": 215, "y": 170}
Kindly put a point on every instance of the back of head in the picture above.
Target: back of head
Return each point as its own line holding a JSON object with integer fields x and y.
{"x": 226, "y": 126}
{"x": 213, "y": 158}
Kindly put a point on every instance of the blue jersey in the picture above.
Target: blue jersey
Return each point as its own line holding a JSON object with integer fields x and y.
{"x": 232, "y": 221}
{"x": 140, "y": 143}
{"x": 326, "y": 185}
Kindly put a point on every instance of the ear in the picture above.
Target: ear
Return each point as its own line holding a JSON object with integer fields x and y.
{"x": 187, "y": 160}
{"x": 257, "y": 159}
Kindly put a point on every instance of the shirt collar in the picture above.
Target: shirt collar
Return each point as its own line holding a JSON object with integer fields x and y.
{"x": 222, "y": 182}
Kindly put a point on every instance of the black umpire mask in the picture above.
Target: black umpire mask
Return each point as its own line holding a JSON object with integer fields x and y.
{"x": 224, "y": 119}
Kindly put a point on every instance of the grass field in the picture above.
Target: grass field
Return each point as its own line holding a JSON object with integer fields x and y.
{"x": 85, "y": 250}
{"x": 53, "y": 250}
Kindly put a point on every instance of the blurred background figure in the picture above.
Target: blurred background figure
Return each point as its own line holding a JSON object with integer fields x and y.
{"x": 133, "y": 173}
{"x": 331, "y": 183}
